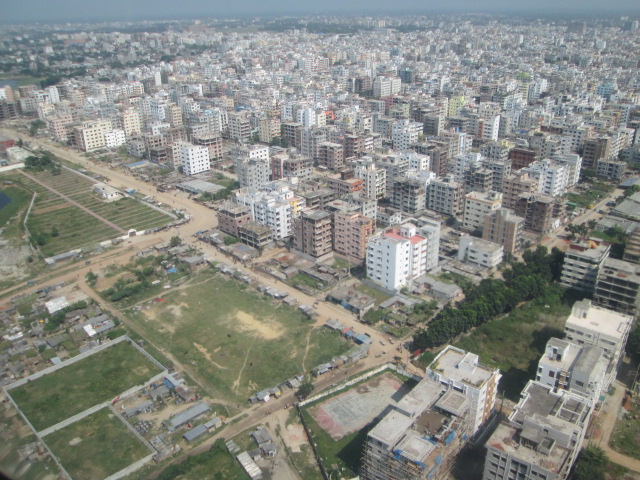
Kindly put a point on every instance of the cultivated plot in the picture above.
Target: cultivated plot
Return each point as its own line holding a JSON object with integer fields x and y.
{"x": 98, "y": 378}
{"x": 236, "y": 341}
{"x": 58, "y": 225}
{"x": 96, "y": 446}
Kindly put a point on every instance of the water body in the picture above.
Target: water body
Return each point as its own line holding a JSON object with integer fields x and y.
{"x": 4, "y": 200}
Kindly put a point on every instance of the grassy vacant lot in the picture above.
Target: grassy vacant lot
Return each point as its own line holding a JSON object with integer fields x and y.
{"x": 96, "y": 446}
{"x": 61, "y": 226}
{"x": 14, "y": 433}
{"x": 515, "y": 342}
{"x": 237, "y": 340}
{"x": 626, "y": 435}
{"x": 594, "y": 194}
{"x": 95, "y": 379}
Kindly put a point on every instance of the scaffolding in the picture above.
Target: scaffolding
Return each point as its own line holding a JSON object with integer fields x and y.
{"x": 428, "y": 448}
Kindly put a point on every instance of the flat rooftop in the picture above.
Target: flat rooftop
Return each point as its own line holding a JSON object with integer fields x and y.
{"x": 585, "y": 316}
{"x": 391, "y": 428}
{"x": 461, "y": 366}
{"x": 506, "y": 439}
{"x": 561, "y": 410}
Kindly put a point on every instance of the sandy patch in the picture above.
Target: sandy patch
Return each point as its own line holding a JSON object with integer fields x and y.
{"x": 207, "y": 355}
{"x": 103, "y": 283}
{"x": 75, "y": 441}
{"x": 266, "y": 328}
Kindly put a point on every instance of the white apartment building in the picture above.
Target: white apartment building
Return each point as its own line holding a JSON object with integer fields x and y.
{"x": 480, "y": 252}
{"x": 417, "y": 162}
{"x": 430, "y": 230}
{"x": 90, "y": 136}
{"x": 306, "y": 117}
{"x": 385, "y": 86}
{"x": 396, "y": 256}
{"x": 405, "y": 133}
{"x": 114, "y": 138}
{"x": 463, "y": 372}
{"x": 582, "y": 369}
{"x": 591, "y": 325}
{"x": 477, "y": 206}
{"x": 194, "y": 159}
{"x": 375, "y": 179}
{"x": 267, "y": 209}
{"x": 463, "y": 163}
{"x": 252, "y": 165}
{"x": 553, "y": 177}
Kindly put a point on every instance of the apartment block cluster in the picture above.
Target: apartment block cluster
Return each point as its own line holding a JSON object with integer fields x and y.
{"x": 455, "y": 403}
{"x": 332, "y": 136}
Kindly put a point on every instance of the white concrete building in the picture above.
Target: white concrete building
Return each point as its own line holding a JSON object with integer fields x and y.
{"x": 480, "y": 252}
{"x": 477, "y": 206}
{"x": 405, "y": 133}
{"x": 582, "y": 369}
{"x": 430, "y": 230}
{"x": 463, "y": 372}
{"x": 591, "y": 325}
{"x": 194, "y": 158}
{"x": 267, "y": 208}
{"x": 114, "y": 139}
{"x": 396, "y": 256}
{"x": 375, "y": 179}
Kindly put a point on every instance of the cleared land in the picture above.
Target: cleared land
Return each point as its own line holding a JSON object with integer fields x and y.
{"x": 626, "y": 435}
{"x": 237, "y": 341}
{"x": 60, "y": 226}
{"x": 95, "y": 379}
{"x": 96, "y": 446}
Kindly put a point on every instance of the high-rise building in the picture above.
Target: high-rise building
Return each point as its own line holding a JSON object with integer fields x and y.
{"x": 351, "y": 233}
{"x": 396, "y": 256}
{"x": 375, "y": 179}
{"x": 194, "y": 159}
{"x": 582, "y": 264}
{"x": 504, "y": 228}
{"x": 312, "y": 233}
{"x": 477, "y": 206}
{"x": 618, "y": 286}
{"x": 445, "y": 195}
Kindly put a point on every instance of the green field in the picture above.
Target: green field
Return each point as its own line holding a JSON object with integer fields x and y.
{"x": 626, "y": 434}
{"x": 97, "y": 446}
{"x": 237, "y": 340}
{"x": 95, "y": 379}
{"x": 59, "y": 226}
{"x": 526, "y": 331}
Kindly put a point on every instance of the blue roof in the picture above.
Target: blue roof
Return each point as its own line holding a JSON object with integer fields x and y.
{"x": 137, "y": 164}
{"x": 363, "y": 338}
{"x": 630, "y": 182}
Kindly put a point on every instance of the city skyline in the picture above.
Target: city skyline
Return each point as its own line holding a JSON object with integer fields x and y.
{"x": 119, "y": 10}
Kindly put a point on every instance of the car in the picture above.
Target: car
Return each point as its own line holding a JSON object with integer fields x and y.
{"x": 382, "y": 343}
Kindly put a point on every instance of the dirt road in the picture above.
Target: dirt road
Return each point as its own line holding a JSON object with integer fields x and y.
{"x": 607, "y": 421}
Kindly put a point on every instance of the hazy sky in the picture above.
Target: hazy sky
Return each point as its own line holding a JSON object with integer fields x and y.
{"x": 14, "y": 11}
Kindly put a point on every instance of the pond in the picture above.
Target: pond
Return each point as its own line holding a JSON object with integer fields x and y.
{"x": 4, "y": 200}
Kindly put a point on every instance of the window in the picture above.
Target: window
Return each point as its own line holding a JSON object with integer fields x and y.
{"x": 552, "y": 374}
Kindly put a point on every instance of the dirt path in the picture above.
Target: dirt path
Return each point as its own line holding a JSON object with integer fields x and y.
{"x": 236, "y": 384}
{"x": 73, "y": 202}
{"x": 607, "y": 420}
{"x": 306, "y": 350}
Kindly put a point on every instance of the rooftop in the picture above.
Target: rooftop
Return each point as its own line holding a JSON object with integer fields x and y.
{"x": 585, "y": 316}
{"x": 458, "y": 365}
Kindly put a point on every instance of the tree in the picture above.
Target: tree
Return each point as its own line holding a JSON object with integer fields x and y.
{"x": 305, "y": 390}
{"x": 175, "y": 241}
{"x": 591, "y": 464}
{"x": 35, "y": 126}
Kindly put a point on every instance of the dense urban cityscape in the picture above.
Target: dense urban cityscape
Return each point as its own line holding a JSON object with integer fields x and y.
{"x": 321, "y": 247}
